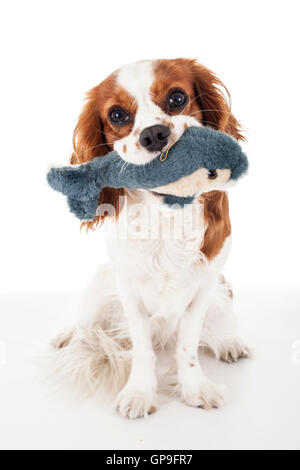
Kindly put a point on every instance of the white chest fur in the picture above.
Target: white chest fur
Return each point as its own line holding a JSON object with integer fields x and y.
{"x": 159, "y": 250}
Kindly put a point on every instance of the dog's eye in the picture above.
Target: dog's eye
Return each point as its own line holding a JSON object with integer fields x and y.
{"x": 176, "y": 100}
{"x": 118, "y": 116}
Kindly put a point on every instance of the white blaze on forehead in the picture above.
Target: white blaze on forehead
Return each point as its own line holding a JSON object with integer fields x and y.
{"x": 137, "y": 79}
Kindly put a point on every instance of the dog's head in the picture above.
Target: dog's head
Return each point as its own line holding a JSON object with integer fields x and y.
{"x": 144, "y": 107}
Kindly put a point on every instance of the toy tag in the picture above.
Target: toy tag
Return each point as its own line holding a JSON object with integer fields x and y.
{"x": 164, "y": 155}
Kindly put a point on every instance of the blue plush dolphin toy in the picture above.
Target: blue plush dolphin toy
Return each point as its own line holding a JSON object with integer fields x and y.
{"x": 201, "y": 160}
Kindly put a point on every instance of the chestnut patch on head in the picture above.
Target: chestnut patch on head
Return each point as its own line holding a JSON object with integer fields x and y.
{"x": 172, "y": 88}
{"x": 206, "y": 101}
{"x": 117, "y": 109}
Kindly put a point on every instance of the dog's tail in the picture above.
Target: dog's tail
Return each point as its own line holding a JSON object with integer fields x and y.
{"x": 92, "y": 358}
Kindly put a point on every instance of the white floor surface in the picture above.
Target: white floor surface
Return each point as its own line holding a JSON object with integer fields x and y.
{"x": 262, "y": 410}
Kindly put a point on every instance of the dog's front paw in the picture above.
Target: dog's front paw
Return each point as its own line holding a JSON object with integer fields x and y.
{"x": 233, "y": 350}
{"x": 204, "y": 394}
{"x": 134, "y": 404}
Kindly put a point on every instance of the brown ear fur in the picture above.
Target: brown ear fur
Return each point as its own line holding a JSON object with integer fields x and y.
{"x": 214, "y": 100}
{"x": 89, "y": 142}
{"x": 88, "y": 138}
{"x": 217, "y": 220}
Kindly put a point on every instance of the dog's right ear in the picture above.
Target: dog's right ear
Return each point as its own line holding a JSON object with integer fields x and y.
{"x": 89, "y": 139}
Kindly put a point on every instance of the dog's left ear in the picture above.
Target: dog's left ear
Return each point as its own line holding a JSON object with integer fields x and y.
{"x": 213, "y": 99}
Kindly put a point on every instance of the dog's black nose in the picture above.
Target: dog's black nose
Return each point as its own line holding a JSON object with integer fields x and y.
{"x": 155, "y": 138}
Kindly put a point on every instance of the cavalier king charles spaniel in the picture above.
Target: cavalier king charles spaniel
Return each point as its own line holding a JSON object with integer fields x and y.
{"x": 163, "y": 287}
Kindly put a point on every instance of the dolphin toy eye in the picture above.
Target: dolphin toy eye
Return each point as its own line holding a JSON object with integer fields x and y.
{"x": 212, "y": 174}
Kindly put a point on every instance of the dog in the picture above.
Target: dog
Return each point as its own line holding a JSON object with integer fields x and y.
{"x": 160, "y": 289}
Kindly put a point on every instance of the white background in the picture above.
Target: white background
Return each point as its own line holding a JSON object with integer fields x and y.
{"x": 53, "y": 52}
